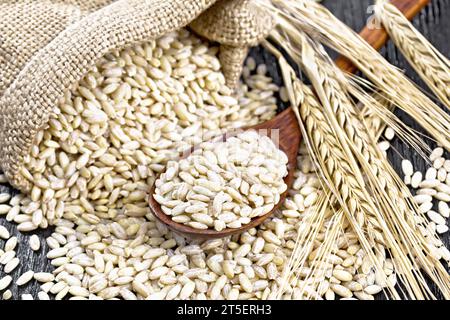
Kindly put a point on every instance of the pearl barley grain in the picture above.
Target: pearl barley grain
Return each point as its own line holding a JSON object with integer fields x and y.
{"x": 43, "y": 277}
{"x": 431, "y": 174}
{"x": 384, "y": 145}
{"x": 11, "y": 244}
{"x": 444, "y": 209}
{"x": 416, "y": 179}
{"x": 42, "y": 295}
{"x": 7, "y": 295}
{"x": 436, "y": 153}
{"x": 5, "y": 282}
{"x": 4, "y": 197}
{"x": 389, "y": 133}
{"x": 441, "y": 228}
{"x": 4, "y": 209}
{"x": 11, "y": 265}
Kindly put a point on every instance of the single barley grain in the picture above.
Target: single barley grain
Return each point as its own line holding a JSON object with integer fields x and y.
{"x": 42, "y": 295}
{"x": 11, "y": 244}
{"x": 7, "y": 257}
{"x": 444, "y": 209}
{"x": 389, "y": 133}
{"x": 416, "y": 179}
{"x": 4, "y": 197}
{"x": 441, "y": 228}
{"x": 43, "y": 277}
{"x": 436, "y": 153}
{"x": 4, "y": 209}
{"x": 407, "y": 168}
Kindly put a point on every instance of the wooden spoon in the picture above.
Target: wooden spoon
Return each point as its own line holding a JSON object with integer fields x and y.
{"x": 289, "y": 135}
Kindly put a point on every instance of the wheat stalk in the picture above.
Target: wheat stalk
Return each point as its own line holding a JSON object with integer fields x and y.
{"x": 335, "y": 167}
{"x": 429, "y": 63}
{"x": 324, "y": 26}
{"x": 306, "y": 235}
{"x": 322, "y": 256}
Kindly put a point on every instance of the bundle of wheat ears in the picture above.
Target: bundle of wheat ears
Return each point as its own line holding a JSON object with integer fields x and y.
{"x": 364, "y": 190}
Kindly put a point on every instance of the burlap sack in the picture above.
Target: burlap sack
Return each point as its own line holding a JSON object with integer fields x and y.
{"x": 47, "y": 45}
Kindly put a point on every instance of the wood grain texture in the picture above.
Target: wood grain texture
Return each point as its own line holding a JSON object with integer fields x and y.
{"x": 433, "y": 22}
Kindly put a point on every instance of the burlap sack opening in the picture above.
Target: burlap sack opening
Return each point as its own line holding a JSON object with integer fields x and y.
{"x": 48, "y": 45}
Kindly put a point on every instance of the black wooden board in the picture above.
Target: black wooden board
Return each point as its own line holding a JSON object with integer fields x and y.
{"x": 433, "y": 22}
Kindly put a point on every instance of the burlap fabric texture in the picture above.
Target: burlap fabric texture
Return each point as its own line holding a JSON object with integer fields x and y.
{"x": 48, "y": 45}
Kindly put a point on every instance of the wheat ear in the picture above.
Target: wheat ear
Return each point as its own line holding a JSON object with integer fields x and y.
{"x": 344, "y": 125}
{"x": 429, "y": 63}
{"x": 313, "y": 224}
{"x": 354, "y": 143}
{"x": 338, "y": 172}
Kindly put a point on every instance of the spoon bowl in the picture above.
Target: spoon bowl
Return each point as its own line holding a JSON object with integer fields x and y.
{"x": 285, "y": 130}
